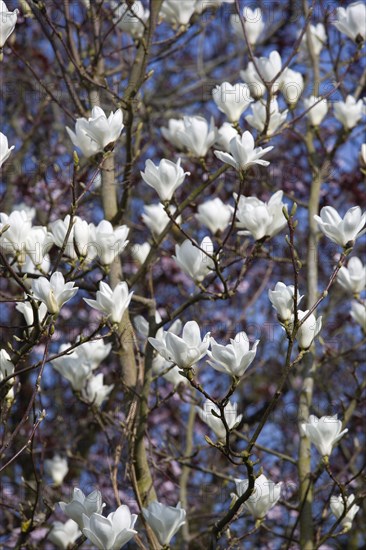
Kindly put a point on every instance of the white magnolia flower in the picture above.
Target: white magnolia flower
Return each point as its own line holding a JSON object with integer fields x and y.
{"x": 198, "y": 135}
{"x": 282, "y": 299}
{"x": 165, "y": 521}
{"x": 84, "y": 239}
{"x": 101, "y": 129}
{"x": 64, "y": 534}
{"x": 323, "y": 432}
{"x": 243, "y": 152}
{"x": 225, "y": 134}
{"x": 269, "y": 67}
{"x": 164, "y": 178}
{"x": 15, "y": 237}
{"x": 348, "y": 112}
{"x": 193, "y": 260}
{"x": 140, "y": 252}
{"x": 59, "y": 231}
{"x": 318, "y": 109}
{"x": 261, "y": 219}
{"x": 291, "y": 85}
{"x": 250, "y": 76}
{"x": 177, "y": 13}
{"x": 110, "y": 241}
{"x": 259, "y": 116}
{"x": 56, "y": 468}
{"x": 82, "y": 505}
{"x": 26, "y": 309}
{"x": 8, "y": 21}
{"x": 82, "y": 140}
{"x": 235, "y": 358}
{"x": 5, "y": 150}
{"x": 112, "y": 302}
{"x": 363, "y": 156}
{"x": 6, "y": 366}
{"x": 318, "y": 38}
{"x": 94, "y": 391}
{"x": 156, "y": 218}
{"x": 353, "y": 277}
{"x": 352, "y": 21}
{"x": 338, "y": 508}
{"x": 214, "y": 422}
{"x": 265, "y": 495}
{"x": 54, "y": 292}
{"x": 184, "y": 351}
{"x": 215, "y": 215}
{"x": 358, "y": 313}
{"x": 131, "y": 18}
{"x": 253, "y": 21}
{"x": 338, "y": 230}
{"x": 175, "y": 125}
{"x": 309, "y": 330}
{"x": 232, "y": 100}
{"x": 37, "y": 245}
{"x": 72, "y": 367}
{"x": 112, "y": 532}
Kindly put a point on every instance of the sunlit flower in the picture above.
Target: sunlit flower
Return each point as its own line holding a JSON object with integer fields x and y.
{"x": 323, "y": 432}
{"x": 234, "y": 358}
{"x": 243, "y": 152}
{"x": 56, "y": 468}
{"x": 215, "y": 422}
{"x": 164, "y": 178}
{"x": 232, "y": 100}
{"x": 8, "y": 21}
{"x": 341, "y": 231}
{"x": 258, "y": 117}
{"x": 338, "y": 504}
{"x": 318, "y": 109}
{"x": 165, "y": 521}
{"x": 265, "y": 495}
{"x": 253, "y": 21}
{"x": 64, "y": 534}
{"x": 348, "y": 112}
{"x": 261, "y": 219}
{"x": 352, "y": 21}
{"x": 353, "y": 277}
{"x": 5, "y": 150}
{"x": 194, "y": 260}
{"x": 215, "y": 215}
{"x": 112, "y": 302}
{"x": 54, "y": 292}
{"x": 111, "y": 532}
{"x": 308, "y": 330}
{"x": 81, "y": 505}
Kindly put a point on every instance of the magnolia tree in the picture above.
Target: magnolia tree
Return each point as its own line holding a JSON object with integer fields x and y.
{"x": 182, "y": 282}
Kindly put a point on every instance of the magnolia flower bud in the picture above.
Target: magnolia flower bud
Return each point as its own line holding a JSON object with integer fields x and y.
{"x": 80, "y": 506}
{"x": 318, "y": 109}
{"x": 243, "y": 152}
{"x": 215, "y": 215}
{"x": 5, "y": 150}
{"x": 348, "y": 112}
{"x": 253, "y": 21}
{"x": 282, "y": 299}
{"x": 194, "y": 260}
{"x": 232, "y": 100}
{"x": 235, "y": 358}
{"x": 56, "y": 468}
{"x": 265, "y": 496}
{"x": 140, "y": 252}
{"x": 165, "y": 521}
{"x": 111, "y": 532}
{"x": 341, "y": 231}
{"x": 317, "y": 36}
{"x": 214, "y": 421}
{"x": 184, "y": 351}
{"x": 261, "y": 219}
{"x": 112, "y": 302}
{"x": 54, "y": 292}
{"x": 352, "y": 21}
{"x": 309, "y": 330}
{"x": 63, "y": 535}
{"x": 323, "y": 432}
{"x": 8, "y": 21}
{"x": 338, "y": 505}
{"x": 291, "y": 85}
{"x": 164, "y": 178}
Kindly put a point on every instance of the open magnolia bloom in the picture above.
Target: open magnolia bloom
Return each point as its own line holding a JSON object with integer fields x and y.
{"x": 260, "y": 219}
{"x": 259, "y": 116}
{"x": 243, "y": 152}
{"x": 164, "y": 178}
{"x": 198, "y": 135}
{"x": 178, "y": 13}
{"x": 235, "y": 358}
{"x": 8, "y": 21}
{"x": 317, "y": 36}
{"x": 318, "y": 109}
{"x": 282, "y": 300}
{"x": 265, "y": 496}
{"x": 165, "y": 521}
{"x": 214, "y": 421}
{"x": 338, "y": 508}
{"x": 215, "y": 215}
{"x": 98, "y": 128}
{"x": 156, "y": 218}
{"x": 225, "y": 134}
{"x": 184, "y": 351}
{"x": 112, "y": 302}
{"x": 323, "y": 432}
{"x": 353, "y": 277}
{"x": 5, "y": 150}
{"x": 253, "y": 22}
{"x": 82, "y": 505}
{"x": 64, "y": 534}
{"x": 193, "y": 260}
{"x": 111, "y": 532}
{"x": 94, "y": 391}
{"x": 56, "y": 468}
{"x": 309, "y": 330}
{"x": 54, "y": 293}
{"x": 131, "y": 18}
{"x": 348, "y": 112}
{"x": 232, "y": 100}
{"x": 352, "y": 21}
{"x": 341, "y": 231}
{"x": 171, "y": 133}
